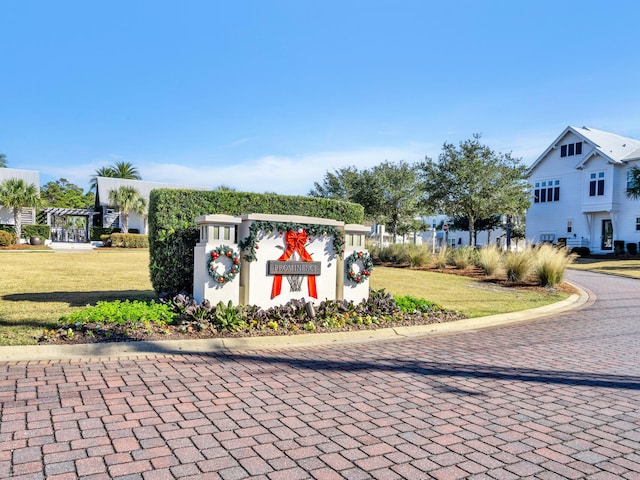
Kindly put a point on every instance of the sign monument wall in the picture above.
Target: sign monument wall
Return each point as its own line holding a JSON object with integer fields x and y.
{"x": 268, "y": 260}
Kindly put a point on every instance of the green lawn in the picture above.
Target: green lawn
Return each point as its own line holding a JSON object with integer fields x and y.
{"x": 37, "y": 288}
{"x": 627, "y": 268}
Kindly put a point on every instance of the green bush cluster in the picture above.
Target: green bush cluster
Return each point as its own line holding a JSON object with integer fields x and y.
{"x": 42, "y": 231}
{"x": 121, "y": 312}
{"x": 173, "y": 232}
{"x": 7, "y": 238}
{"x": 128, "y": 240}
{"x": 96, "y": 233}
{"x": 378, "y": 309}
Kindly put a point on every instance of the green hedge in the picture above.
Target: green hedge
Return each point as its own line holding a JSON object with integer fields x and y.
{"x": 7, "y": 238}
{"x": 7, "y": 228}
{"x": 173, "y": 233}
{"x": 96, "y": 232}
{"x": 129, "y": 240}
{"x": 42, "y": 231}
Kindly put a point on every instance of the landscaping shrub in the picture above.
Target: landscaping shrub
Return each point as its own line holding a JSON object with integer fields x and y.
{"x": 618, "y": 247}
{"x": 173, "y": 232}
{"x": 489, "y": 259}
{"x": 550, "y": 265}
{"x": 379, "y": 308}
{"x": 410, "y": 304}
{"x": 419, "y": 256}
{"x": 129, "y": 240}
{"x": 632, "y": 248}
{"x": 441, "y": 258}
{"x": 518, "y": 265}
{"x": 96, "y": 233}
{"x": 6, "y": 238}
{"x": 42, "y": 231}
{"x": 119, "y": 312}
{"x": 396, "y": 253}
{"x": 463, "y": 257}
{"x": 581, "y": 251}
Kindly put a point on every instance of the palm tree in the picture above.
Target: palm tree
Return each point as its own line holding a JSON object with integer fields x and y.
{"x": 16, "y": 194}
{"x": 127, "y": 200}
{"x": 118, "y": 170}
{"x": 633, "y": 188}
{"x": 101, "y": 172}
{"x": 125, "y": 170}
{"x": 3, "y": 160}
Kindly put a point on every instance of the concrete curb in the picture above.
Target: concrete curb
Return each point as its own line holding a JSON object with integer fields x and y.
{"x": 164, "y": 347}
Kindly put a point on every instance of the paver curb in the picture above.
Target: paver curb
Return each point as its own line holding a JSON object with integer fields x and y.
{"x": 163, "y": 347}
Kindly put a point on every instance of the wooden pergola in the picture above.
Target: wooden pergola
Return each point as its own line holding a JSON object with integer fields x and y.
{"x": 59, "y": 234}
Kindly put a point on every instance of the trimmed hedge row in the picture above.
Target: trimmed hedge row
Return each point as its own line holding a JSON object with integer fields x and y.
{"x": 96, "y": 233}
{"x": 42, "y": 231}
{"x": 38, "y": 230}
{"x": 173, "y": 233}
{"x": 129, "y": 240}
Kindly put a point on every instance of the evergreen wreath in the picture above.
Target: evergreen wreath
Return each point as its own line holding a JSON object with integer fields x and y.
{"x": 230, "y": 273}
{"x": 251, "y": 242}
{"x": 367, "y": 266}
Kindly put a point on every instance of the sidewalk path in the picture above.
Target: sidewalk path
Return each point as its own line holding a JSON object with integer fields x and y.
{"x": 551, "y": 398}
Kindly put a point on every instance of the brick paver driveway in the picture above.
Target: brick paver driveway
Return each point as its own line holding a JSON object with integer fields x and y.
{"x": 551, "y": 398}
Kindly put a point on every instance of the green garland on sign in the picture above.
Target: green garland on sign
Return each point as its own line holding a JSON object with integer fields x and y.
{"x": 362, "y": 274}
{"x": 230, "y": 274}
{"x": 251, "y": 242}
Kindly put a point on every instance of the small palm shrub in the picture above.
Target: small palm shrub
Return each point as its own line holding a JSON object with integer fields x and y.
{"x": 550, "y": 265}
{"x": 463, "y": 257}
{"x": 518, "y": 265}
{"x": 489, "y": 259}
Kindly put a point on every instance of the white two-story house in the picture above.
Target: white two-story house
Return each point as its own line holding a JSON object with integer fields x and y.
{"x": 579, "y": 191}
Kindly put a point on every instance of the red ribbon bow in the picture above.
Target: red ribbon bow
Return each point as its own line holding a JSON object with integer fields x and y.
{"x": 295, "y": 242}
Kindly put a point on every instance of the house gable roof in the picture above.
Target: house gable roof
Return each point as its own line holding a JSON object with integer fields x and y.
{"x": 29, "y": 176}
{"x": 106, "y": 184}
{"x": 614, "y": 148}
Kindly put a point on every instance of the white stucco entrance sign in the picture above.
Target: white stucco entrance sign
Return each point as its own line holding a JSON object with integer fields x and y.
{"x": 267, "y": 260}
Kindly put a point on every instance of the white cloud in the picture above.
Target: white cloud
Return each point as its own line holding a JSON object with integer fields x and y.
{"x": 292, "y": 175}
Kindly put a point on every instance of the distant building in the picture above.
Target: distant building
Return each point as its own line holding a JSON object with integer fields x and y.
{"x": 108, "y": 217}
{"x": 31, "y": 177}
{"x": 579, "y": 191}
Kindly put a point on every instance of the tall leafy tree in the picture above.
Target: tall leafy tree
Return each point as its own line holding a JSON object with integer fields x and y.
{"x": 392, "y": 194}
{"x": 3, "y": 160}
{"x": 461, "y": 222}
{"x": 337, "y": 185}
{"x": 16, "y": 194}
{"x": 117, "y": 170}
{"x": 633, "y": 191}
{"x": 65, "y": 194}
{"x": 474, "y": 181}
{"x": 389, "y": 192}
{"x": 126, "y": 200}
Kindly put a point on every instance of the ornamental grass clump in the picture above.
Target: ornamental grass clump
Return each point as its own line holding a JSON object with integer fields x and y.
{"x": 441, "y": 259}
{"x": 550, "y": 265}
{"x": 419, "y": 256}
{"x": 463, "y": 257}
{"x": 518, "y": 265}
{"x": 489, "y": 259}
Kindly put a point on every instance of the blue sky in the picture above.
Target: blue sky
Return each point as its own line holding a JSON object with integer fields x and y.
{"x": 268, "y": 95}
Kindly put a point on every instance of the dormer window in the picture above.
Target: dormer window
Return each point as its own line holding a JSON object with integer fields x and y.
{"x": 571, "y": 149}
